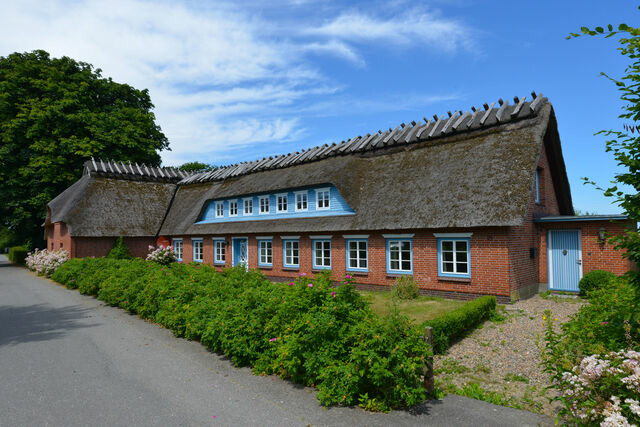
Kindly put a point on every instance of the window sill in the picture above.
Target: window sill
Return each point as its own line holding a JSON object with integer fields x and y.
{"x": 265, "y": 267}
{"x": 396, "y": 275}
{"x": 290, "y": 268}
{"x": 320, "y": 269}
{"x": 454, "y": 279}
{"x": 357, "y": 273}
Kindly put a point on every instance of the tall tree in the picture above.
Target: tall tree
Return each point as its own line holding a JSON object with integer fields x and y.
{"x": 625, "y": 142}
{"x": 196, "y": 167}
{"x": 54, "y": 114}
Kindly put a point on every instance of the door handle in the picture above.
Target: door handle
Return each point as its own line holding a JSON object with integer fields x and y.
{"x": 579, "y": 262}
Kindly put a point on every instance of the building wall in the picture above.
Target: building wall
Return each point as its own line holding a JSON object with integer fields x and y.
{"x": 488, "y": 255}
{"x": 595, "y": 255}
{"x": 57, "y": 235}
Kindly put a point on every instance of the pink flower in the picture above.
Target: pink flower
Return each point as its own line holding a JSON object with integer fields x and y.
{"x": 290, "y": 284}
{"x": 604, "y": 323}
{"x": 348, "y": 277}
{"x": 310, "y": 285}
{"x": 333, "y": 294}
{"x": 73, "y": 280}
{"x": 302, "y": 274}
{"x": 273, "y": 339}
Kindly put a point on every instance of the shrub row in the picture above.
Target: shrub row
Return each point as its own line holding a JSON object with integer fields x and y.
{"x": 596, "y": 279}
{"x": 17, "y": 254}
{"x": 457, "y": 323}
{"x": 307, "y": 331}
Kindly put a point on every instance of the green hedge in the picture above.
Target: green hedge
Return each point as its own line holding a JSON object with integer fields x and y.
{"x": 17, "y": 254}
{"x": 457, "y": 323}
{"x": 307, "y": 331}
{"x": 596, "y": 279}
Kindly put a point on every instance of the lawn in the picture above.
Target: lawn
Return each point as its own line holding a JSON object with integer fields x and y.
{"x": 420, "y": 309}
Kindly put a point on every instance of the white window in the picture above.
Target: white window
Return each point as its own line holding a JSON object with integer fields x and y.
{"x": 265, "y": 249}
{"x": 219, "y": 251}
{"x": 219, "y": 209}
{"x": 399, "y": 256}
{"x": 322, "y": 199}
{"x": 322, "y": 254}
{"x": 233, "y": 208}
{"x": 248, "y": 206}
{"x": 454, "y": 257}
{"x": 281, "y": 205}
{"x": 264, "y": 205}
{"x": 357, "y": 255}
{"x": 197, "y": 250}
{"x": 291, "y": 253}
{"x": 537, "y": 186}
{"x": 301, "y": 201}
{"x": 177, "y": 248}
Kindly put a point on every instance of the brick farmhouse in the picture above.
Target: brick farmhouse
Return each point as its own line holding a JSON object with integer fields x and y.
{"x": 469, "y": 203}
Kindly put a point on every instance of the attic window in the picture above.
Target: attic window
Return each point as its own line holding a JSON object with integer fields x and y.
{"x": 282, "y": 203}
{"x": 219, "y": 209}
{"x": 264, "y": 204}
{"x": 233, "y": 208}
{"x": 301, "y": 201}
{"x": 248, "y": 206}
{"x": 322, "y": 199}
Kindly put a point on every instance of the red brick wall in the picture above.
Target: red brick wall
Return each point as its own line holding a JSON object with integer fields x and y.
{"x": 489, "y": 260}
{"x": 595, "y": 255}
{"x": 58, "y": 238}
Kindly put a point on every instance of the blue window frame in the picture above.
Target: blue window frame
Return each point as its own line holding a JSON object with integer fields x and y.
{"x": 454, "y": 257}
{"x": 219, "y": 209}
{"x": 357, "y": 254}
{"x": 219, "y": 251}
{"x": 538, "y": 186}
{"x": 321, "y": 253}
{"x": 399, "y": 256}
{"x": 291, "y": 253}
{"x": 265, "y": 252}
{"x": 198, "y": 250}
{"x": 177, "y": 248}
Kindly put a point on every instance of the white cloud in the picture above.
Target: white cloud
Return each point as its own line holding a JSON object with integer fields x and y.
{"x": 221, "y": 76}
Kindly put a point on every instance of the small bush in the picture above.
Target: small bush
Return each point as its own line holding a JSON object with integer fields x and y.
{"x": 457, "y": 323}
{"x": 44, "y": 262}
{"x": 17, "y": 254}
{"x": 307, "y": 331}
{"x": 405, "y": 287}
{"x": 595, "y": 279}
{"x": 120, "y": 250}
{"x": 162, "y": 255}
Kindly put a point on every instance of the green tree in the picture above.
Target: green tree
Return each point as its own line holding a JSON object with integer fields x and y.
{"x": 196, "y": 167}
{"x": 624, "y": 144}
{"x": 54, "y": 114}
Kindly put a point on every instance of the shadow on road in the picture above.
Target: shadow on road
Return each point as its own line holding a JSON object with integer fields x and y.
{"x": 39, "y": 322}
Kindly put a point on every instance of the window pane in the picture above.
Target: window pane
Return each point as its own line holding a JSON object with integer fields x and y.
{"x": 461, "y": 246}
{"x": 462, "y": 267}
{"x": 461, "y": 256}
{"x": 447, "y": 256}
{"x": 406, "y": 265}
{"x": 447, "y": 246}
{"x": 447, "y": 267}
{"x": 363, "y": 254}
{"x": 395, "y": 265}
{"x": 406, "y": 246}
{"x": 353, "y": 263}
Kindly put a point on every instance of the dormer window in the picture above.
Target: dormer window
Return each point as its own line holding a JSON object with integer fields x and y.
{"x": 264, "y": 205}
{"x": 281, "y": 203}
{"x": 248, "y": 206}
{"x": 301, "y": 201}
{"x": 219, "y": 209}
{"x": 233, "y": 208}
{"x": 322, "y": 199}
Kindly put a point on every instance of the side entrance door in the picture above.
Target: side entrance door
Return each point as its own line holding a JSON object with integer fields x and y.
{"x": 241, "y": 251}
{"x": 565, "y": 260}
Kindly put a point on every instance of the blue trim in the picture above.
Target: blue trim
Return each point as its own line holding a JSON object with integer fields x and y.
{"x": 233, "y": 251}
{"x": 181, "y": 249}
{"x": 284, "y": 254}
{"x": 215, "y": 261}
{"x": 260, "y": 263}
{"x": 537, "y": 189}
{"x": 569, "y": 218}
{"x": 313, "y": 254}
{"x": 389, "y": 270}
{"x": 356, "y": 270}
{"x": 337, "y": 207}
{"x": 193, "y": 241}
{"x": 455, "y": 239}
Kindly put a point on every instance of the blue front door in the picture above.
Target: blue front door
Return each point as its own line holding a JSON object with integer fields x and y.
{"x": 565, "y": 260}
{"x": 240, "y": 251}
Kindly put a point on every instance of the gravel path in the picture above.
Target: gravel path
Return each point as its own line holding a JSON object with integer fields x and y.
{"x": 504, "y": 356}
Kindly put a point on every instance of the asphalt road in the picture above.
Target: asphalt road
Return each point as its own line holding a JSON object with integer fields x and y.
{"x": 69, "y": 360}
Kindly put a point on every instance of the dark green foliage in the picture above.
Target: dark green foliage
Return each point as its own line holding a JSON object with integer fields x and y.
{"x": 196, "y": 167}
{"x": 457, "y": 323}
{"x": 317, "y": 335}
{"x": 17, "y": 254}
{"x": 120, "y": 250}
{"x": 55, "y": 113}
{"x": 405, "y": 287}
{"x": 596, "y": 279}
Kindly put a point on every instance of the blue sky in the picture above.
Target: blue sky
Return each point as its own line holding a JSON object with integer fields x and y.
{"x": 236, "y": 81}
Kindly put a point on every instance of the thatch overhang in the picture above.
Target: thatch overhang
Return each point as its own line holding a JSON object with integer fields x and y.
{"x": 469, "y": 170}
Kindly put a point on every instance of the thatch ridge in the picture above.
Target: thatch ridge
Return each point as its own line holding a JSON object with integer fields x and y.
{"x": 133, "y": 171}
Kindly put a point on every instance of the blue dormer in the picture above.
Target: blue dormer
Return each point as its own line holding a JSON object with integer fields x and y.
{"x": 293, "y": 203}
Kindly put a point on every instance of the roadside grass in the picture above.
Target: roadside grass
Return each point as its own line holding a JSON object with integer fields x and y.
{"x": 419, "y": 310}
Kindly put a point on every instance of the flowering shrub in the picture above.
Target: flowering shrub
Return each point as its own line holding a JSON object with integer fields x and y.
{"x": 162, "y": 255}
{"x": 44, "y": 262}
{"x": 308, "y": 330}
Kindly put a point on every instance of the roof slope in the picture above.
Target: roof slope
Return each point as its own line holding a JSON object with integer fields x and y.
{"x": 450, "y": 176}
{"x": 98, "y": 204}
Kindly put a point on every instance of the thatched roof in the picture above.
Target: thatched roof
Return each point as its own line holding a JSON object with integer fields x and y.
{"x": 468, "y": 170}
{"x": 132, "y": 171}
{"x": 102, "y": 204}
